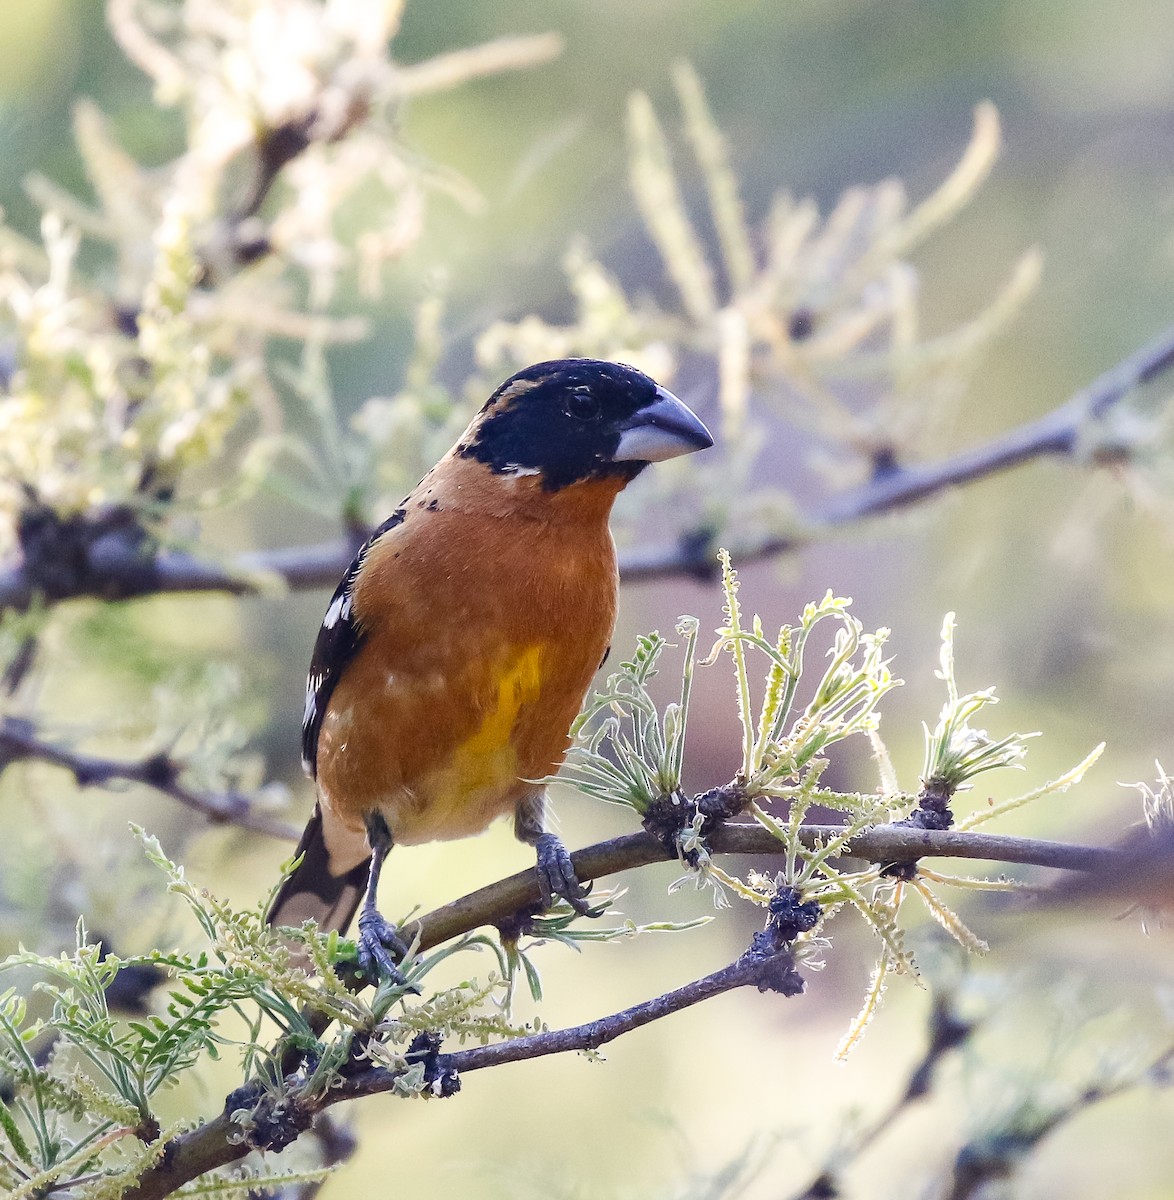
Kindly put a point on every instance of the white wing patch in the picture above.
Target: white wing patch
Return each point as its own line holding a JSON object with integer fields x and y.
{"x": 339, "y": 638}
{"x": 309, "y": 713}
{"x": 340, "y": 610}
{"x": 311, "y": 709}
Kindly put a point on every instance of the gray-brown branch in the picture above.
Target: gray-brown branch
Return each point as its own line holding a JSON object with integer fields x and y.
{"x": 1056, "y": 433}
{"x": 120, "y": 571}
{"x": 21, "y": 742}
{"x": 218, "y": 1143}
{"x": 883, "y": 844}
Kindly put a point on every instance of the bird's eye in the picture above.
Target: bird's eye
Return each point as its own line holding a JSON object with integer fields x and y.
{"x": 583, "y": 406}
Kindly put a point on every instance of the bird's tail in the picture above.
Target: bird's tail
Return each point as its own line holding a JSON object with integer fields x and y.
{"x": 314, "y": 891}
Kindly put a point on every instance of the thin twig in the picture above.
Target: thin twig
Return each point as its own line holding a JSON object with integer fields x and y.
{"x": 947, "y": 1032}
{"x": 20, "y": 742}
{"x": 593, "y": 1034}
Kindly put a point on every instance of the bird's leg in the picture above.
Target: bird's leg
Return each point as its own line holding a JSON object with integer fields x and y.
{"x": 556, "y": 874}
{"x": 379, "y": 939}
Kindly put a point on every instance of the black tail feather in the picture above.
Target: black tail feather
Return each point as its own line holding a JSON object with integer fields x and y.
{"x": 313, "y": 891}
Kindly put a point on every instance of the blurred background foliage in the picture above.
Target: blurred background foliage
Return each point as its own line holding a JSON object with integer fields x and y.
{"x": 1060, "y": 575}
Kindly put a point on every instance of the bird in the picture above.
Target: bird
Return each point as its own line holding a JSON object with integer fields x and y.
{"x": 458, "y": 648}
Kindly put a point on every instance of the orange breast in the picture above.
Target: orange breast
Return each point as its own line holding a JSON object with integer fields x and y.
{"x": 484, "y": 622}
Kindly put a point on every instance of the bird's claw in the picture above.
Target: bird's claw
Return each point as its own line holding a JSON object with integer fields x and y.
{"x": 557, "y": 878}
{"x": 381, "y": 949}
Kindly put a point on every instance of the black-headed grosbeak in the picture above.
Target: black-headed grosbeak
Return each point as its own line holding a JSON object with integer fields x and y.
{"x": 458, "y": 647}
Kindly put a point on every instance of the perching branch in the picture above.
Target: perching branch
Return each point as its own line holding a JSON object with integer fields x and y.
{"x": 883, "y": 843}
{"x": 20, "y": 742}
{"x": 106, "y": 568}
{"x": 285, "y": 1115}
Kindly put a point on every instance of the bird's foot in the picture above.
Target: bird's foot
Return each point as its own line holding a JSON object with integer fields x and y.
{"x": 557, "y": 878}
{"x": 381, "y": 949}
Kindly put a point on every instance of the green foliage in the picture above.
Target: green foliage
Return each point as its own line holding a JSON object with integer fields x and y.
{"x": 956, "y": 752}
{"x": 776, "y": 760}
{"x": 81, "y": 1082}
{"x": 84, "y": 1080}
{"x": 628, "y": 751}
{"x": 645, "y": 748}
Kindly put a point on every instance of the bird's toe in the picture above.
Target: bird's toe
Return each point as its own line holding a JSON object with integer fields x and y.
{"x": 557, "y": 878}
{"x": 381, "y": 949}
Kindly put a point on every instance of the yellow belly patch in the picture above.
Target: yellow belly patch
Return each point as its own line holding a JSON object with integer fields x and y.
{"x": 488, "y": 758}
{"x": 480, "y": 781}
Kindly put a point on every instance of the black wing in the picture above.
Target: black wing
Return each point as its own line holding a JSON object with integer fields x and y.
{"x": 339, "y": 639}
